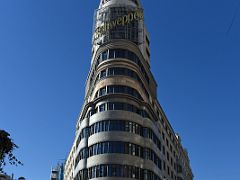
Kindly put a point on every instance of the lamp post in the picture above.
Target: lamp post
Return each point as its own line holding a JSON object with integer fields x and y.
{"x": 21, "y": 178}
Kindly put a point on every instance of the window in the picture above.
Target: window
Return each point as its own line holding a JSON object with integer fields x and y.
{"x": 110, "y": 106}
{"x": 104, "y": 55}
{"x": 118, "y": 89}
{"x": 103, "y": 74}
{"x": 120, "y": 147}
{"x": 117, "y": 170}
{"x": 102, "y": 91}
{"x": 111, "y": 54}
{"x": 110, "y": 89}
{"x": 122, "y": 53}
{"x": 118, "y": 106}
{"x": 102, "y": 108}
{"x": 110, "y": 71}
{"x": 120, "y": 71}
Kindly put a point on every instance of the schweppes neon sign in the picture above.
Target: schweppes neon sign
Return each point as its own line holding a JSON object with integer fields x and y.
{"x": 121, "y": 21}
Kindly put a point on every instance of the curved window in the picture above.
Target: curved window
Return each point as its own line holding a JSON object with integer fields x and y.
{"x": 121, "y": 106}
{"x": 83, "y": 134}
{"x": 116, "y": 89}
{"x": 119, "y": 71}
{"x": 116, "y": 170}
{"x": 121, "y": 125}
{"x": 119, "y": 147}
{"x": 116, "y": 125}
{"x": 116, "y": 147}
{"x": 124, "y": 148}
{"x": 122, "y": 53}
{"x": 82, "y": 175}
{"x": 83, "y": 154}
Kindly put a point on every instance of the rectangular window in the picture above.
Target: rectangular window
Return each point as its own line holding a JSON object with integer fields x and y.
{"x": 145, "y": 132}
{"x": 102, "y": 108}
{"x": 131, "y": 55}
{"x": 127, "y": 126}
{"x": 114, "y": 170}
{"x": 110, "y": 71}
{"x": 126, "y": 174}
{"x": 118, "y": 106}
{"x": 130, "y": 107}
{"x": 103, "y": 74}
{"x": 119, "y": 71}
{"x": 102, "y": 91}
{"x": 120, "y": 53}
{"x": 106, "y": 148}
{"x": 110, "y": 106}
{"x": 104, "y": 55}
{"x": 130, "y": 127}
{"x": 111, "y": 54}
{"x": 110, "y": 89}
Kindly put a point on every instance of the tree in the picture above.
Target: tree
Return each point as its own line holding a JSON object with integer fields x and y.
{"x": 6, "y": 150}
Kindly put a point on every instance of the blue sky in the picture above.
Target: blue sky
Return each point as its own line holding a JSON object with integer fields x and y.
{"x": 45, "y": 52}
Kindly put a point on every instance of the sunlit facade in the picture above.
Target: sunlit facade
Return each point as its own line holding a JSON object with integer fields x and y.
{"x": 122, "y": 131}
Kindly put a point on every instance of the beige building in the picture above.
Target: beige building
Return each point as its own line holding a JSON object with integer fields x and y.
{"x": 122, "y": 131}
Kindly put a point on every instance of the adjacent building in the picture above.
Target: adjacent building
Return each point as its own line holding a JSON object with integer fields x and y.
{"x": 57, "y": 173}
{"x": 122, "y": 131}
{"x": 5, "y": 177}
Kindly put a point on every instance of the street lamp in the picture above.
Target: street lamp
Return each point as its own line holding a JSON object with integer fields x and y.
{"x": 21, "y": 178}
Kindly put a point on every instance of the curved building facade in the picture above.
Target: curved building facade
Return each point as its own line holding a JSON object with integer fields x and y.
{"x": 122, "y": 131}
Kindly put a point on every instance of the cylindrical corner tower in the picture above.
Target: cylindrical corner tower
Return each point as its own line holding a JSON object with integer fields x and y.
{"x": 122, "y": 131}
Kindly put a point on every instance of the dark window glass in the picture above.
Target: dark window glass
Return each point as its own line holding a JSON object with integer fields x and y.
{"x": 102, "y": 108}
{"x": 111, "y": 54}
{"x": 111, "y": 71}
{"x": 118, "y": 106}
{"x": 120, "y": 53}
{"x": 110, "y": 106}
{"x": 110, "y": 89}
{"x": 119, "y": 71}
{"x": 102, "y": 91}
{"x": 103, "y": 74}
{"x": 104, "y": 55}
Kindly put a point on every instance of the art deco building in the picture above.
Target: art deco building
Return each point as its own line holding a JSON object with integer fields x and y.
{"x": 122, "y": 131}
